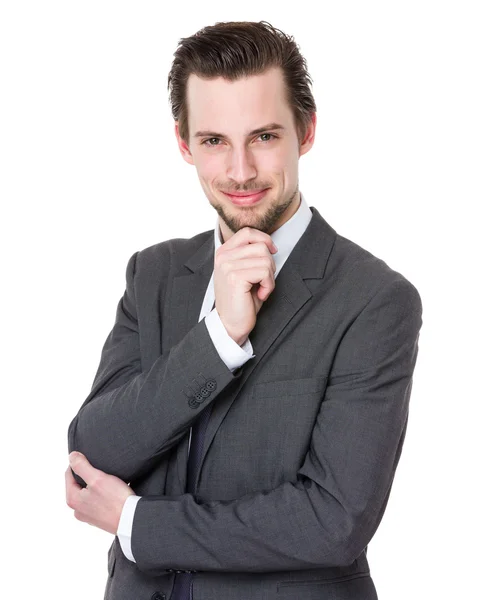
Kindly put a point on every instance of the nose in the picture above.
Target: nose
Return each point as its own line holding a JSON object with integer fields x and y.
{"x": 240, "y": 165}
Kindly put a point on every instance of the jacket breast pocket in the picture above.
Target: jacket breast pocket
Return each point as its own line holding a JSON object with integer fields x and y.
{"x": 289, "y": 387}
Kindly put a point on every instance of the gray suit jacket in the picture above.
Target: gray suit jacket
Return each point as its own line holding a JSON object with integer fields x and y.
{"x": 303, "y": 441}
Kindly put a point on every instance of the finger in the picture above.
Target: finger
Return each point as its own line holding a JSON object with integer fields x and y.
{"x": 261, "y": 276}
{"x": 71, "y": 487}
{"x": 244, "y": 264}
{"x": 257, "y": 249}
{"x": 248, "y": 235}
{"x": 70, "y": 482}
{"x": 82, "y": 467}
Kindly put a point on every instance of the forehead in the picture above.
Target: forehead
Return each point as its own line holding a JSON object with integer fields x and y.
{"x": 239, "y": 106}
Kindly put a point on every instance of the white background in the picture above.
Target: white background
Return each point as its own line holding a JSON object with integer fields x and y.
{"x": 90, "y": 173}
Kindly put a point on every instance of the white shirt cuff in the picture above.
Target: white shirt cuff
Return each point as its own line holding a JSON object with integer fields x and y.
{"x": 124, "y": 530}
{"x": 232, "y": 354}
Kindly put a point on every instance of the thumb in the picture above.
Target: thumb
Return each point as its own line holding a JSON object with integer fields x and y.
{"x": 80, "y": 465}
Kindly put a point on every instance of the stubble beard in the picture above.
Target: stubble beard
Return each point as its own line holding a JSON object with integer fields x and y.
{"x": 250, "y": 217}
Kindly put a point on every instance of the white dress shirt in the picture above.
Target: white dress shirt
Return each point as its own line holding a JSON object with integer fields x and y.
{"x": 233, "y": 355}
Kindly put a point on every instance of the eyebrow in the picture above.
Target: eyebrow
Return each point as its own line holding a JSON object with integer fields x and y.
{"x": 271, "y": 126}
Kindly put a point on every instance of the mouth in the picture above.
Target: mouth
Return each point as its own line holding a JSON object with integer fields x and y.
{"x": 246, "y": 199}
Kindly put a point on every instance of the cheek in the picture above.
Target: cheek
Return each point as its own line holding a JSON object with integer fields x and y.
{"x": 210, "y": 167}
{"x": 277, "y": 162}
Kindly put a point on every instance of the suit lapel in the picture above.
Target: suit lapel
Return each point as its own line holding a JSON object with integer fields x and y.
{"x": 186, "y": 298}
{"x": 307, "y": 260}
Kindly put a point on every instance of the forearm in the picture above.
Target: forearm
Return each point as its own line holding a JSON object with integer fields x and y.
{"x": 278, "y": 530}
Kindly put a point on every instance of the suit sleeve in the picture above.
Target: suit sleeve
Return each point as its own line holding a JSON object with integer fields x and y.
{"x": 131, "y": 418}
{"x": 330, "y": 513}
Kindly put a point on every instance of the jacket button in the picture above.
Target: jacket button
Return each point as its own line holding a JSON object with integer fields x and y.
{"x": 200, "y": 397}
{"x": 158, "y": 596}
{"x": 210, "y": 384}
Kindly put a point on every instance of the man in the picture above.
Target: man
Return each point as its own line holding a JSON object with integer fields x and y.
{"x": 254, "y": 389}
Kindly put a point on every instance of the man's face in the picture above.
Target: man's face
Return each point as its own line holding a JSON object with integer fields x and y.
{"x": 230, "y": 157}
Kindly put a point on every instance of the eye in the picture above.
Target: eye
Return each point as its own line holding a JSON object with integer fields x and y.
{"x": 269, "y": 134}
{"x": 205, "y": 143}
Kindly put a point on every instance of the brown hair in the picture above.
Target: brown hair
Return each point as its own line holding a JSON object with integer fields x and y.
{"x": 238, "y": 49}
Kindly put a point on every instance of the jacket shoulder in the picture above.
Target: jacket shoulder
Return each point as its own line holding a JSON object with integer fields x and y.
{"x": 367, "y": 273}
{"x": 160, "y": 256}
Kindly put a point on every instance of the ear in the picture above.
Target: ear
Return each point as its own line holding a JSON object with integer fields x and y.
{"x": 183, "y": 146}
{"x": 309, "y": 138}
